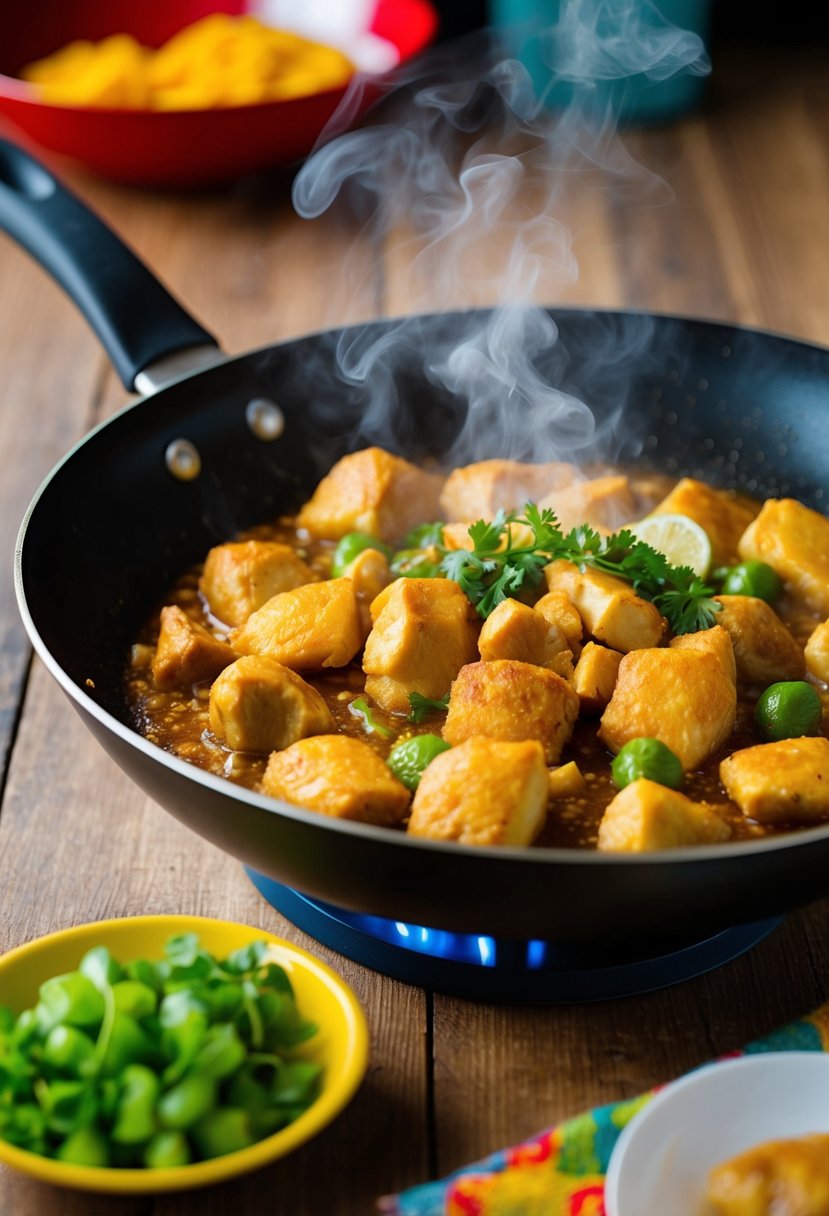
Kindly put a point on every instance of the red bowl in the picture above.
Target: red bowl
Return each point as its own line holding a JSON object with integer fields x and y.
{"x": 176, "y": 147}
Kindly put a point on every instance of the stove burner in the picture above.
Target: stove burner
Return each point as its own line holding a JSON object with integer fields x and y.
{"x": 499, "y": 970}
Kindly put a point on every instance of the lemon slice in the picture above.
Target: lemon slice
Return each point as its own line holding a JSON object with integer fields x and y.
{"x": 680, "y": 538}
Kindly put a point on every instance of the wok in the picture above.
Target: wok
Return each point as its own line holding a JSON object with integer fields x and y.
{"x": 111, "y": 528}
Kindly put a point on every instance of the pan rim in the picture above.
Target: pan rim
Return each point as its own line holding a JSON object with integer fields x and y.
{"x": 539, "y": 855}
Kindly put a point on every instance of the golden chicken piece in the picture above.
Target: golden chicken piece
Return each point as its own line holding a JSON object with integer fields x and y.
{"x": 314, "y": 626}
{"x": 514, "y": 631}
{"x": 337, "y": 776}
{"x": 510, "y": 700}
{"x": 241, "y": 576}
{"x": 716, "y": 641}
{"x": 794, "y": 541}
{"x": 684, "y": 698}
{"x": 566, "y": 781}
{"x": 370, "y": 574}
{"x": 782, "y": 782}
{"x": 778, "y": 1178}
{"x": 257, "y": 705}
{"x": 371, "y": 491}
{"x": 186, "y": 653}
{"x": 479, "y": 491}
{"x": 483, "y": 792}
{"x": 645, "y": 816}
{"x": 602, "y": 502}
{"x": 817, "y": 653}
{"x": 722, "y": 516}
{"x": 424, "y": 632}
{"x": 595, "y": 677}
{"x": 764, "y": 649}
{"x": 557, "y": 608}
{"x": 610, "y": 610}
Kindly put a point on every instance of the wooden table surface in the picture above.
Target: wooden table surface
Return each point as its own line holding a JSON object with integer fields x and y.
{"x": 745, "y": 239}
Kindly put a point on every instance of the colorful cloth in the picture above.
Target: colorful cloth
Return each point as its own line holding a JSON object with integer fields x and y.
{"x": 560, "y": 1172}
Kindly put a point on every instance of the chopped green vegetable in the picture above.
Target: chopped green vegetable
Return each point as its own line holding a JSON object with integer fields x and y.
{"x": 752, "y": 578}
{"x": 788, "y": 710}
{"x": 422, "y": 706}
{"x": 650, "y": 758}
{"x": 146, "y": 1063}
{"x": 351, "y": 546}
{"x": 417, "y": 563}
{"x": 360, "y": 708}
{"x": 409, "y": 759}
{"x": 424, "y": 536}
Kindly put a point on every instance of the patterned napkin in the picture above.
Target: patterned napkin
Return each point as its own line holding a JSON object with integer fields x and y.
{"x": 560, "y": 1172}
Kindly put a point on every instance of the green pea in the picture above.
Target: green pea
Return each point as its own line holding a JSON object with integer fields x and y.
{"x": 134, "y": 998}
{"x": 752, "y": 578}
{"x": 408, "y": 760}
{"x": 84, "y": 1146}
{"x": 647, "y": 758}
{"x": 187, "y": 1102}
{"x": 225, "y": 1130}
{"x": 135, "y": 1113}
{"x": 72, "y": 1000}
{"x": 68, "y": 1050}
{"x": 167, "y": 1150}
{"x": 351, "y": 546}
{"x": 788, "y": 710}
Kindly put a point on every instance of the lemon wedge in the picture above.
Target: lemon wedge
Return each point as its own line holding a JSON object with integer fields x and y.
{"x": 679, "y": 537}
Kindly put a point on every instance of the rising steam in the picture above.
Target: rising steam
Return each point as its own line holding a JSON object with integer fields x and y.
{"x": 470, "y": 167}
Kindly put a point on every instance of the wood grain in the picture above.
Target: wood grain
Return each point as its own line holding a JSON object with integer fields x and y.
{"x": 744, "y": 238}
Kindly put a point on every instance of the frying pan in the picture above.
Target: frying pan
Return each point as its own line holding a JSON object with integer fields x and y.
{"x": 176, "y": 147}
{"x": 111, "y": 528}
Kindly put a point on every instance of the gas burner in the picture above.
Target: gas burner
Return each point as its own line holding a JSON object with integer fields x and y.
{"x": 502, "y": 971}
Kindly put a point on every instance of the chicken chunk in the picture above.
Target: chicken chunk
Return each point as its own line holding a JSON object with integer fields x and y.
{"x": 186, "y": 653}
{"x": 314, "y": 626}
{"x": 595, "y": 677}
{"x": 479, "y": 491}
{"x": 240, "y": 577}
{"x": 817, "y": 653}
{"x": 510, "y": 700}
{"x": 514, "y": 631}
{"x": 602, "y": 502}
{"x": 794, "y": 541}
{"x": 424, "y": 632}
{"x": 484, "y": 793}
{"x": 559, "y": 610}
{"x": 646, "y": 816}
{"x": 370, "y": 574}
{"x": 764, "y": 649}
{"x": 337, "y": 776}
{"x": 783, "y": 782}
{"x": 716, "y": 641}
{"x": 257, "y": 705}
{"x": 611, "y": 612}
{"x": 784, "y": 1177}
{"x": 721, "y": 515}
{"x": 684, "y": 698}
{"x": 371, "y": 491}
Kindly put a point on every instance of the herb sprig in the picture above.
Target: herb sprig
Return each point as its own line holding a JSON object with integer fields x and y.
{"x": 504, "y": 559}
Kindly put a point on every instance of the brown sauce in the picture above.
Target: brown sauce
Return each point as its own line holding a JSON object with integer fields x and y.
{"x": 178, "y": 721}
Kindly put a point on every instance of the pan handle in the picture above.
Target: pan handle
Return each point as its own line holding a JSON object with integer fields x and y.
{"x": 135, "y": 317}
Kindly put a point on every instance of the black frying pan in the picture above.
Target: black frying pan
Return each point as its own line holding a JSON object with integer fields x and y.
{"x": 112, "y": 527}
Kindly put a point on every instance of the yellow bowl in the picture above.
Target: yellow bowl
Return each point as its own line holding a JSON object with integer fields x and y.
{"x": 341, "y": 1045}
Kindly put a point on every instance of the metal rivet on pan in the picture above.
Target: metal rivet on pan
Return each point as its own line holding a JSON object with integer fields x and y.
{"x": 183, "y": 460}
{"x": 265, "y": 419}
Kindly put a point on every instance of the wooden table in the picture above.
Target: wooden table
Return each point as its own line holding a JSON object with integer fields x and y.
{"x": 745, "y": 239}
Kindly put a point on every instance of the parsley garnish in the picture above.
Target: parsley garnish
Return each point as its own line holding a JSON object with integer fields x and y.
{"x": 421, "y": 706}
{"x": 360, "y": 709}
{"x": 500, "y": 564}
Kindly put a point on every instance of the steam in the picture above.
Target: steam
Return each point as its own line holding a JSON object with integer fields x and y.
{"x": 474, "y": 170}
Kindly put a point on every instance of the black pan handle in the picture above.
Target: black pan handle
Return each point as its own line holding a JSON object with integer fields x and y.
{"x": 136, "y": 319}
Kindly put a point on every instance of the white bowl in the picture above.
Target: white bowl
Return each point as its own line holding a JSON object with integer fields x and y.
{"x": 661, "y": 1161}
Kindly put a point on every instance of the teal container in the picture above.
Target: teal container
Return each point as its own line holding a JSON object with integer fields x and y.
{"x": 594, "y": 65}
